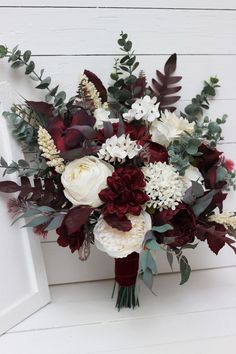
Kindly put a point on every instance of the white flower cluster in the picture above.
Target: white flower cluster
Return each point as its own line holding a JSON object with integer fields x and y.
{"x": 144, "y": 108}
{"x": 89, "y": 88}
{"x": 102, "y": 115}
{"x": 119, "y": 244}
{"x": 169, "y": 127}
{"x": 164, "y": 186}
{"x": 228, "y": 219}
{"x": 118, "y": 148}
{"x": 50, "y": 152}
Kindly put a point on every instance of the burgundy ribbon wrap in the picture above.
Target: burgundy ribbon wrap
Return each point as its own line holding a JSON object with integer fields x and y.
{"x": 126, "y": 269}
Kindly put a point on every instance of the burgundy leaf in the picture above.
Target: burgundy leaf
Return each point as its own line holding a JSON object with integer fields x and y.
{"x": 78, "y": 153}
{"x": 174, "y": 79}
{"x": 9, "y": 187}
{"x": 76, "y": 218}
{"x": 81, "y": 117}
{"x": 170, "y": 65}
{"x": 123, "y": 224}
{"x": 41, "y": 107}
{"x": 98, "y": 84}
{"x": 87, "y": 131}
{"x": 108, "y": 130}
{"x": 215, "y": 235}
{"x": 161, "y": 87}
{"x": 168, "y": 100}
{"x": 171, "y": 90}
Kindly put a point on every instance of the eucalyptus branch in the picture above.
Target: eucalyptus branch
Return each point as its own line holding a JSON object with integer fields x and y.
{"x": 19, "y": 60}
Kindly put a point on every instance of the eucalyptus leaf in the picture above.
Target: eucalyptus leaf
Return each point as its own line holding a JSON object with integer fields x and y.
{"x": 185, "y": 270}
{"x": 162, "y": 228}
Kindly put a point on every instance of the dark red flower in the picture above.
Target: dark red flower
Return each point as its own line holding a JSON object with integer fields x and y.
{"x": 156, "y": 152}
{"x": 183, "y": 221}
{"x": 71, "y": 232}
{"x": 124, "y": 194}
{"x": 64, "y": 136}
{"x": 209, "y": 158}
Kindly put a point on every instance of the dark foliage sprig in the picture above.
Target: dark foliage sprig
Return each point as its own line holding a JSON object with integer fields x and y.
{"x": 127, "y": 86}
{"x": 164, "y": 87}
{"x": 24, "y": 168}
{"x": 200, "y": 102}
{"x": 19, "y": 59}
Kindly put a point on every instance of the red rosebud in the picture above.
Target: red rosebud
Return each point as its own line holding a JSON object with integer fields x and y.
{"x": 229, "y": 165}
{"x": 209, "y": 158}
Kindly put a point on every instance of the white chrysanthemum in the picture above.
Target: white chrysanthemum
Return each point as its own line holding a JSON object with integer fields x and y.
{"x": 192, "y": 174}
{"x": 49, "y": 150}
{"x": 118, "y": 148}
{"x": 169, "y": 127}
{"x": 119, "y": 244}
{"x": 102, "y": 115}
{"x": 144, "y": 108}
{"x": 164, "y": 186}
{"x": 228, "y": 219}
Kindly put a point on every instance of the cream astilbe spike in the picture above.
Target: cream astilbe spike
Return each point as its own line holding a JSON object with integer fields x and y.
{"x": 49, "y": 150}
{"x": 89, "y": 94}
{"x": 228, "y": 219}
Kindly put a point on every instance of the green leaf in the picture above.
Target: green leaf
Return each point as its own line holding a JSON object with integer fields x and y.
{"x": 152, "y": 245}
{"x": 185, "y": 270}
{"x": 27, "y": 55}
{"x": 170, "y": 259}
{"x": 148, "y": 278}
{"x": 55, "y": 222}
{"x": 135, "y": 66}
{"x": 124, "y": 68}
{"x": 190, "y": 246}
{"x": 3, "y": 51}
{"x": 221, "y": 174}
{"x": 17, "y": 64}
{"x": 43, "y": 219}
{"x": 121, "y": 42}
{"x": 197, "y": 189}
{"x": 30, "y": 68}
{"x": 162, "y": 228}
{"x": 3, "y": 162}
{"x": 202, "y": 203}
{"x": 128, "y": 46}
{"x": 46, "y": 209}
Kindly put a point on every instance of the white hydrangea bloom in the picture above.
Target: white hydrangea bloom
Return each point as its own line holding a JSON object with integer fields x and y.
{"x": 228, "y": 219}
{"x": 164, "y": 186}
{"x": 192, "y": 174}
{"x": 144, "y": 108}
{"x": 169, "y": 127}
{"x": 118, "y": 148}
{"x": 102, "y": 115}
{"x": 119, "y": 244}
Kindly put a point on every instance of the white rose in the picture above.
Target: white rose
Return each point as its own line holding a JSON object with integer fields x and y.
{"x": 119, "y": 244}
{"x": 102, "y": 115}
{"x": 192, "y": 174}
{"x": 169, "y": 127}
{"x": 84, "y": 178}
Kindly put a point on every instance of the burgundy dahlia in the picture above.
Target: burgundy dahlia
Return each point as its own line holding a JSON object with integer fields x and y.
{"x": 183, "y": 222}
{"x": 124, "y": 193}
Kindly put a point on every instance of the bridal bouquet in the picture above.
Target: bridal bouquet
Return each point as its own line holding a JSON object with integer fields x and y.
{"x": 118, "y": 169}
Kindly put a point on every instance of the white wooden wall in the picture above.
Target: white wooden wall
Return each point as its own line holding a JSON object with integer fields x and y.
{"x": 67, "y": 36}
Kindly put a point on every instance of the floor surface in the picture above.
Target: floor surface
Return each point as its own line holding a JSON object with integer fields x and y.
{"x": 197, "y": 318}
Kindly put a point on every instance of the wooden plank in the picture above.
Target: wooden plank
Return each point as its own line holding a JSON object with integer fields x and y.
{"x": 120, "y": 335}
{"x": 90, "y": 303}
{"x": 193, "y": 4}
{"x": 66, "y": 72}
{"x": 66, "y": 31}
{"x": 64, "y": 267}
